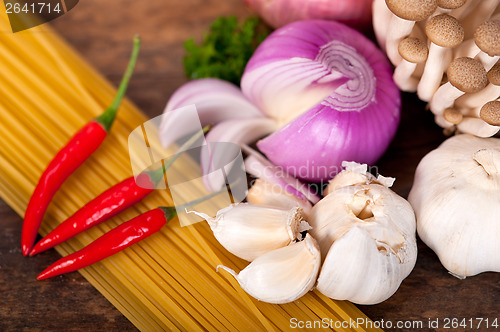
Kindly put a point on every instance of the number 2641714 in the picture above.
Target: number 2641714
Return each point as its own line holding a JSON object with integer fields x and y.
{"x": 32, "y": 8}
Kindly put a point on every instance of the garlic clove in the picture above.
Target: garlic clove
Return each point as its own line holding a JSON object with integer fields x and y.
{"x": 264, "y": 192}
{"x": 282, "y": 275}
{"x": 364, "y": 271}
{"x": 249, "y": 231}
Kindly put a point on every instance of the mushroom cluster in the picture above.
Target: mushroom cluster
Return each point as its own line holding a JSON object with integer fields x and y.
{"x": 447, "y": 51}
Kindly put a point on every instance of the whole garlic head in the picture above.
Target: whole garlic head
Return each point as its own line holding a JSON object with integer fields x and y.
{"x": 456, "y": 197}
{"x": 366, "y": 235}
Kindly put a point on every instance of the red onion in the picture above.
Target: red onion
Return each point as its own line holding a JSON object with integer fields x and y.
{"x": 332, "y": 89}
{"x": 277, "y": 13}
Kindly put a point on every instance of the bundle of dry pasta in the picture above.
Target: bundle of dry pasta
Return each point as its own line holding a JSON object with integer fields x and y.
{"x": 167, "y": 282}
{"x": 447, "y": 51}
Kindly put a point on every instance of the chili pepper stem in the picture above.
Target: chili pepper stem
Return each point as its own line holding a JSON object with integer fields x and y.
{"x": 158, "y": 174}
{"x": 108, "y": 116}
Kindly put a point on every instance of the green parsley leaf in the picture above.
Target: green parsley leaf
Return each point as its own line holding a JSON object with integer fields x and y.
{"x": 225, "y": 50}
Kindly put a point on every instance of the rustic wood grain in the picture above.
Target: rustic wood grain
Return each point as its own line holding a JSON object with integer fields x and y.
{"x": 101, "y": 31}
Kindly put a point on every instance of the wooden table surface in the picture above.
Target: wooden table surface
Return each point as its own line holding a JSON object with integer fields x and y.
{"x": 101, "y": 31}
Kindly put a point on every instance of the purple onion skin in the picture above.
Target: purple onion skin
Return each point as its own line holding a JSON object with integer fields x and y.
{"x": 314, "y": 144}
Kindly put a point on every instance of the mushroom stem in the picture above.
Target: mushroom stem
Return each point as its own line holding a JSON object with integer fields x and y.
{"x": 477, "y": 127}
{"x": 467, "y": 49}
{"x": 487, "y": 61}
{"x": 398, "y": 30}
{"x": 381, "y": 19}
{"x": 482, "y": 12}
{"x": 473, "y": 100}
{"x": 444, "y": 97}
{"x": 439, "y": 59}
{"x": 402, "y": 76}
{"x": 463, "y": 11}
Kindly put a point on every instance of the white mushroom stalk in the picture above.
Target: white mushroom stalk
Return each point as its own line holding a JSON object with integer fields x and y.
{"x": 444, "y": 32}
{"x": 456, "y": 201}
{"x": 465, "y": 75}
{"x": 480, "y": 22}
{"x": 405, "y": 14}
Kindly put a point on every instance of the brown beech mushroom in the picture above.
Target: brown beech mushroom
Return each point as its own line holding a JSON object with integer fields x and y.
{"x": 448, "y": 6}
{"x": 490, "y": 113}
{"x": 406, "y": 13}
{"x": 465, "y": 75}
{"x": 487, "y": 39}
{"x": 452, "y": 115}
{"x": 444, "y": 32}
{"x": 413, "y": 51}
{"x": 490, "y": 92}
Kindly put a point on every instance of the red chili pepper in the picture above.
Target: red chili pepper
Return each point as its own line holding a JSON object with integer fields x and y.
{"x": 110, "y": 203}
{"x": 69, "y": 158}
{"x": 119, "y": 238}
{"x": 112, "y": 242}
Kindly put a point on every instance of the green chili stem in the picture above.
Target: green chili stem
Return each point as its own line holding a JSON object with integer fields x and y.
{"x": 157, "y": 174}
{"x": 108, "y": 116}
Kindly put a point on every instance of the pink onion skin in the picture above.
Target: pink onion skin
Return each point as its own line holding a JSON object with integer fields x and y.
{"x": 277, "y": 13}
{"x": 314, "y": 144}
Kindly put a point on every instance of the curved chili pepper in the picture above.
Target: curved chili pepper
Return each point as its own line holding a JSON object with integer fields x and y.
{"x": 110, "y": 203}
{"x": 117, "y": 239}
{"x": 69, "y": 158}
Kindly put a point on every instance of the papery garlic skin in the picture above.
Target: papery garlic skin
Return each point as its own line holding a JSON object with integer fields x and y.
{"x": 456, "y": 197}
{"x": 249, "y": 231}
{"x": 355, "y": 174}
{"x": 282, "y": 275}
{"x": 366, "y": 234}
{"x": 263, "y": 192}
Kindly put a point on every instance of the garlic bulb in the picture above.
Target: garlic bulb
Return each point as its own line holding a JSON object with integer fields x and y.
{"x": 249, "y": 231}
{"x": 263, "y": 192}
{"x": 282, "y": 275}
{"x": 456, "y": 197}
{"x": 366, "y": 234}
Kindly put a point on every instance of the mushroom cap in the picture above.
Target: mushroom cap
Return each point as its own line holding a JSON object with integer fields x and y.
{"x": 467, "y": 75}
{"x": 487, "y": 37}
{"x": 450, "y": 4}
{"x": 444, "y": 30}
{"x": 413, "y": 50}
{"x": 452, "y": 115}
{"x": 412, "y": 10}
{"x": 490, "y": 113}
{"x": 494, "y": 74}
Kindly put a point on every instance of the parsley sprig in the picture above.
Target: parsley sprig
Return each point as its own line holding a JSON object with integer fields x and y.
{"x": 225, "y": 50}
